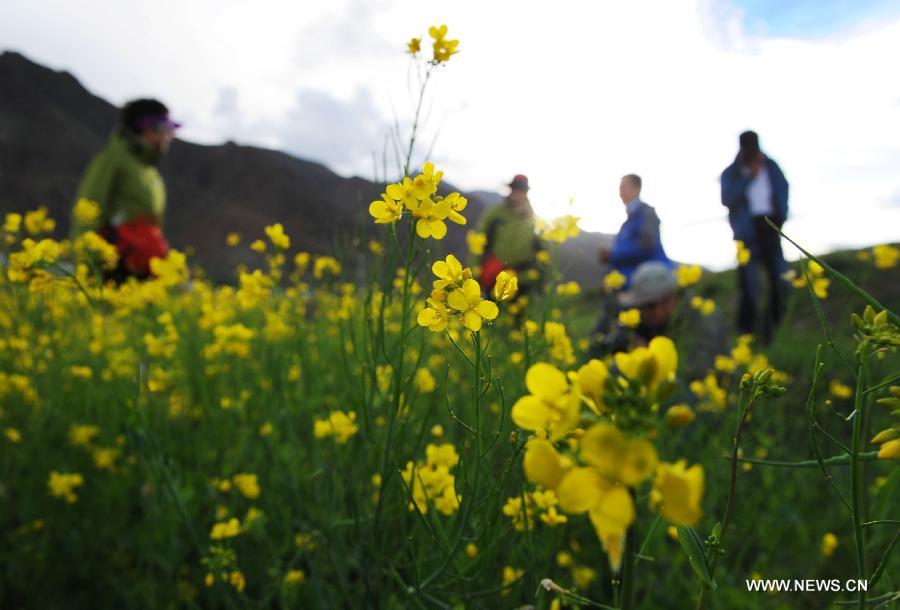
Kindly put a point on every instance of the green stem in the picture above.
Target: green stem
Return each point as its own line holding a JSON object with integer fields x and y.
{"x": 743, "y": 412}
{"x": 856, "y": 477}
{"x": 415, "y": 126}
{"x": 628, "y": 568}
{"x": 837, "y": 460}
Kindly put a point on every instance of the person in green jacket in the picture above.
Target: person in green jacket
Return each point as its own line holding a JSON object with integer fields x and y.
{"x": 124, "y": 183}
{"x": 512, "y": 242}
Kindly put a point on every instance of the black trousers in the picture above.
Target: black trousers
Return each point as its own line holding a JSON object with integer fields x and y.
{"x": 765, "y": 255}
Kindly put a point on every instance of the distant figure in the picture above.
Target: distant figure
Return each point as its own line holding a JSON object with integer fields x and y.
{"x": 754, "y": 188}
{"x": 654, "y": 292}
{"x": 638, "y": 240}
{"x": 123, "y": 179}
{"x": 511, "y": 239}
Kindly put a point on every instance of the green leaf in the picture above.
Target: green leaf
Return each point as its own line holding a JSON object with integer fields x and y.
{"x": 693, "y": 548}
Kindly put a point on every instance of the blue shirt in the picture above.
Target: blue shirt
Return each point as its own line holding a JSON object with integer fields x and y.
{"x": 638, "y": 240}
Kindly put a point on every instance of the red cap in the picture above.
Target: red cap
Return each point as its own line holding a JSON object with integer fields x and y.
{"x": 519, "y": 181}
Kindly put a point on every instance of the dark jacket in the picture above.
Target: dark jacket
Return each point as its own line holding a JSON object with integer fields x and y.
{"x": 734, "y": 197}
{"x": 638, "y": 241}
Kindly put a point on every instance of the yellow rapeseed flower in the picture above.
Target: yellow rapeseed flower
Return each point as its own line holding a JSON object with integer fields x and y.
{"x": 886, "y": 256}
{"x": 677, "y": 492}
{"x": 467, "y": 301}
{"x": 12, "y": 222}
{"x": 342, "y": 426}
{"x": 652, "y": 365}
{"x": 443, "y": 48}
{"x": 688, "y": 275}
{"x": 86, "y": 212}
{"x": 414, "y": 46}
{"x": 82, "y": 435}
{"x": 62, "y": 485}
{"x": 829, "y": 544}
{"x": 630, "y": 318}
{"x": 424, "y": 380}
{"x": 679, "y": 416}
{"x": 277, "y": 236}
{"x": 476, "y": 242}
{"x": 247, "y": 484}
{"x": 613, "y": 281}
{"x": 840, "y": 390}
{"x": 294, "y": 577}
{"x": 743, "y": 254}
{"x": 385, "y": 210}
{"x": 550, "y": 404}
{"x": 506, "y": 286}
{"x": 890, "y": 450}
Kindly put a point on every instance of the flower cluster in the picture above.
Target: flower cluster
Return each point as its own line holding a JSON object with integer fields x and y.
{"x": 442, "y": 47}
{"x": 342, "y": 426}
{"x": 817, "y": 280}
{"x": 596, "y": 471}
{"x": 419, "y": 196}
{"x": 688, "y": 275}
{"x": 596, "y": 478}
{"x": 63, "y": 485}
{"x": 431, "y": 482}
{"x": 455, "y": 296}
{"x": 542, "y": 503}
{"x": 559, "y": 229}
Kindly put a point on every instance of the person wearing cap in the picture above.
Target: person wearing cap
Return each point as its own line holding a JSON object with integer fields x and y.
{"x": 124, "y": 181}
{"x": 512, "y": 242}
{"x": 654, "y": 292}
{"x": 638, "y": 239}
{"x": 754, "y": 188}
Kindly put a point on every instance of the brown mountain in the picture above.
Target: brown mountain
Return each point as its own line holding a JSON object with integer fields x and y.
{"x": 50, "y": 125}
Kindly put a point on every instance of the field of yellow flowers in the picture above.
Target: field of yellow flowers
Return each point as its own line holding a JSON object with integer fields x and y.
{"x": 298, "y": 440}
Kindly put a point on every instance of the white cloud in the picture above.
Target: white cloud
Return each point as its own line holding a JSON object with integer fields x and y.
{"x": 575, "y": 94}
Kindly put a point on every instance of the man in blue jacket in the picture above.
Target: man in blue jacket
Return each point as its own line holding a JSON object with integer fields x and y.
{"x": 638, "y": 240}
{"x": 753, "y": 189}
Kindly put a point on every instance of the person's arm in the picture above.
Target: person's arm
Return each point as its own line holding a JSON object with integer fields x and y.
{"x": 734, "y": 186}
{"x": 779, "y": 186}
{"x": 97, "y": 186}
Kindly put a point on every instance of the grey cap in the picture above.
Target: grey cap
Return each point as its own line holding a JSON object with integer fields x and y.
{"x": 650, "y": 282}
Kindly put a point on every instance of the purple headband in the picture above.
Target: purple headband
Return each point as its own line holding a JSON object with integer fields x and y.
{"x": 156, "y": 122}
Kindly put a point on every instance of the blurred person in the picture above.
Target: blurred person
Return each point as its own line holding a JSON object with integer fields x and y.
{"x": 512, "y": 242}
{"x": 753, "y": 189}
{"x": 699, "y": 336}
{"x": 124, "y": 181}
{"x": 638, "y": 239}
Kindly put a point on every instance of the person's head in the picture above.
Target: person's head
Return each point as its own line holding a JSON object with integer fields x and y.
{"x": 653, "y": 291}
{"x": 630, "y": 188}
{"x": 749, "y": 148}
{"x": 149, "y": 119}
{"x": 518, "y": 193}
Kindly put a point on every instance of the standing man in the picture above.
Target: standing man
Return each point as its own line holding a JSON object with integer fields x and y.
{"x": 753, "y": 189}
{"x": 123, "y": 180}
{"x": 512, "y": 242}
{"x": 638, "y": 240}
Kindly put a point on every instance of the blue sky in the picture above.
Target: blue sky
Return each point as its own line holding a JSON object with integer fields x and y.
{"x": 812, "y": 18}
